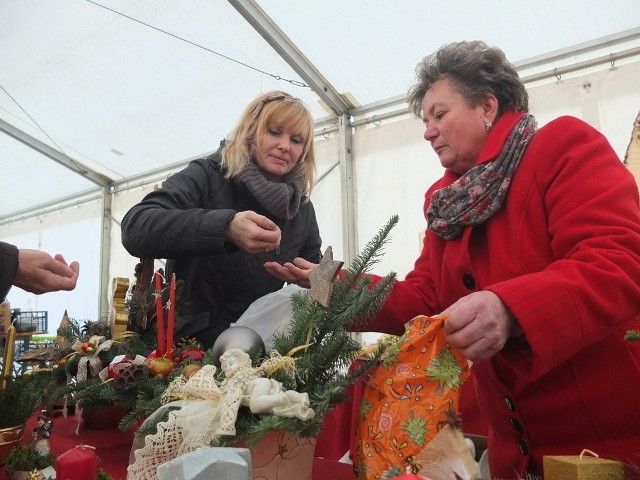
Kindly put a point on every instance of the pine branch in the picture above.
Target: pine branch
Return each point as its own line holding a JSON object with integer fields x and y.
{"x": 362, "y": 301}
{"x": 147, "y": 401}
{"x": 322, "y": 366}
{"x": 19, "y": 398}
{"x": 371, "y": 252}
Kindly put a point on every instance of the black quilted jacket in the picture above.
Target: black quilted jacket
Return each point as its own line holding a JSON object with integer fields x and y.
{"x": 184, "y": 222}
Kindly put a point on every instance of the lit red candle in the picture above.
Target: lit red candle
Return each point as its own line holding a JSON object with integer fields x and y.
{"x": 172, "y": 315}
{"x": 79, "y": 463}
{"x": 162, "y": 339}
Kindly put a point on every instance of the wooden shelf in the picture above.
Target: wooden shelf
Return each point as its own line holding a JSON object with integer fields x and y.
{"x": 24, "y": 334}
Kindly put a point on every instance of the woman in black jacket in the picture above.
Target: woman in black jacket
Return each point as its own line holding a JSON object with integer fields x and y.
{"x": 222, "y": 218}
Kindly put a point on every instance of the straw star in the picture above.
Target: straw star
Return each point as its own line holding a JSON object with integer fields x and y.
{"x": 322, "y": 278}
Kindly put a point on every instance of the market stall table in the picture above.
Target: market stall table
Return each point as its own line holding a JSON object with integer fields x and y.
{"x": 113, "y": 447}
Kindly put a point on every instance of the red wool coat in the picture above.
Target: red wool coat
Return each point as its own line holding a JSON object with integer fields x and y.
{"x": 563, "y": 253}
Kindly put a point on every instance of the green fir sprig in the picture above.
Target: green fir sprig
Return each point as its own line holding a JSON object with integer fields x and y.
{"x": 27, "y": 458}
{"x": 148, "y": 395}
{"x": 21, "y": 396}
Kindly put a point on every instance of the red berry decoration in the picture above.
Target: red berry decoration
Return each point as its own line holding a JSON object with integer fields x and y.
{"x": 194, "y": 354}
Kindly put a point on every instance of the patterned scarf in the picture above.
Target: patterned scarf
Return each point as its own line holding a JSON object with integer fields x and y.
{"x": 478, "y": 194}
{"x": 281, "y": 199}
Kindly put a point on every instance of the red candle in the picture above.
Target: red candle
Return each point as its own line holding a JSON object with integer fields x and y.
{"x": 160, "y": 349}
{"x": 172, "y": 315}
{"x": 79, "y": 463}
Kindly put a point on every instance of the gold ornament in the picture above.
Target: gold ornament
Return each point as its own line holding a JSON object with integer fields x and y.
{"x": 34, "y": 474}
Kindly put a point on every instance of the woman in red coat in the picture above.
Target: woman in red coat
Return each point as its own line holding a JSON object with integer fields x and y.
{"x": 532, "y": 250}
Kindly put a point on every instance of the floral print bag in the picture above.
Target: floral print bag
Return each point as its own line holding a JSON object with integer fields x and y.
{"x": 409, "y": 395}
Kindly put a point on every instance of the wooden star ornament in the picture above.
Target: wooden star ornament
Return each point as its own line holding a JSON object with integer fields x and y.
{"x": 322, "y": 277}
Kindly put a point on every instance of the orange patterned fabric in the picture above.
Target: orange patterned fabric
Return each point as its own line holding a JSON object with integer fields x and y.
{"x": 413, "y": 391}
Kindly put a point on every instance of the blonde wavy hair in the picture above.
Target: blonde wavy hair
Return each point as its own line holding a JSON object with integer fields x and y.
{"x": 271, "y": 108}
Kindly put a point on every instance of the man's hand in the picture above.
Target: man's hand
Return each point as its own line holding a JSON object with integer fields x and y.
{"x": 38, "y": 272}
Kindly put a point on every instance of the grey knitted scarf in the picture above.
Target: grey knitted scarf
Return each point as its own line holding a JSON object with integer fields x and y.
{"x": 281, "y": 199}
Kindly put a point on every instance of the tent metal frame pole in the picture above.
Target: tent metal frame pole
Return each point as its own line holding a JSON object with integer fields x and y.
{"x": 105, "y": 253}
{"x": 276, "y": 38}
{"x": 95, "y": 177}
{"x": 348, "y": 191}
{"x": 53, "y": 154}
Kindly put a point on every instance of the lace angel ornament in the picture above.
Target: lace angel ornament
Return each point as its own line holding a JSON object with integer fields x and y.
{"x": 244, "y": 386}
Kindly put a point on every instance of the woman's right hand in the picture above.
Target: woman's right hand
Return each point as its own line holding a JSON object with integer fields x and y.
{"x": 252, "y": 232}
{"x": 479, "y": 325}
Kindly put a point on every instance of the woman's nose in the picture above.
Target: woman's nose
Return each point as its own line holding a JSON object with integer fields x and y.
{"x": 283, "y": 144}
{"x": 429, "y": 133}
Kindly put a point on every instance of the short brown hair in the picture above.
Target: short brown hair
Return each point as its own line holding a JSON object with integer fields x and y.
{"x": 474, "y": 70}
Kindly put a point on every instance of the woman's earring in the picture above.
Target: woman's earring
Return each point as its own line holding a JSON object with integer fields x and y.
{"x": 488, "y": 126}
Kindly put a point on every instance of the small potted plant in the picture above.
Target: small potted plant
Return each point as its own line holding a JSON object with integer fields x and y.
{"x": 18, "y": 401}
{"x": 24, "y": 459}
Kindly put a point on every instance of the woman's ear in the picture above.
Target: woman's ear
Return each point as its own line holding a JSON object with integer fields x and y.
{"x": 490, "y": 108}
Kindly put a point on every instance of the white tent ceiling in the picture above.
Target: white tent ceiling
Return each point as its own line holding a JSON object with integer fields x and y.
{"x": 118, "y": 89}
{"x": 100, "y": 100}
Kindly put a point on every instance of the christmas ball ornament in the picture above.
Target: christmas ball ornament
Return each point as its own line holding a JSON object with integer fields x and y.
{"x": 240, "y": 337}
{"x": 190, "y": 369}
{"x": 160, "y": 367}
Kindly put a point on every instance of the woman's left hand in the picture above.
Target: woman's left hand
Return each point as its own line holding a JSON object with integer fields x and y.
{"x": 292, "y": 272}
{"x": 479, "y": 325}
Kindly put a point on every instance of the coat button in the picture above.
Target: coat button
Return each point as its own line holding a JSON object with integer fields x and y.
{"x": 510, "y": 405}
{"x": 517, "y": 425}
{"x": 524, "y": 448}
{"x": 469, "y": 281}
